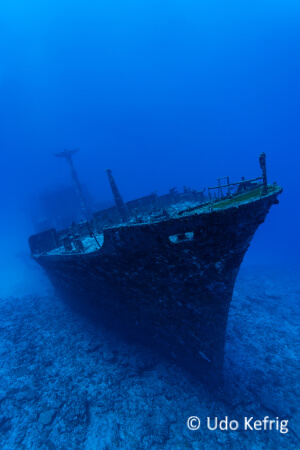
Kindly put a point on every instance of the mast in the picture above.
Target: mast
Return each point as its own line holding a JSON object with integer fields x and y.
{"x": 68, "y": 154}
{"x": 121, "y": 207}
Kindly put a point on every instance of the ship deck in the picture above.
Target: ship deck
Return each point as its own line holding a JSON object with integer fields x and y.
{"x": 234, "y": 201}
{"x": 89, "y": 245}
{"x": 183, "y": 209}
{"x": 245, "y": 197}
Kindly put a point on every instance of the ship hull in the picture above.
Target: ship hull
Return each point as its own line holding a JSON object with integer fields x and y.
{"x": 169, "y": 283}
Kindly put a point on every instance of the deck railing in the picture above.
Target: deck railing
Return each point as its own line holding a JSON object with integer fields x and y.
{"x": 229, "y": 186}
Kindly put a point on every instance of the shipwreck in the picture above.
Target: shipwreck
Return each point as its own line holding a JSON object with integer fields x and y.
{"x": 163, "y": 267}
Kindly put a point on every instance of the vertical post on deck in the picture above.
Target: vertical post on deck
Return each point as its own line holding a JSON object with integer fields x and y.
{"x": 68, "y": 154}
{"x": 263, "y": 166}
{"x": 229, "y": 191}
{"x": 121, "y": 207}
{"x": 219, "y": 188}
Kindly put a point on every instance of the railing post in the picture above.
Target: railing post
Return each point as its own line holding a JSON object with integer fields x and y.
{"x": 229, "y": 191}
{"x": 219, "y": 188}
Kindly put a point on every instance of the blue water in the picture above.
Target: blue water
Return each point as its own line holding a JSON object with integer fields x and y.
{"x": 165, "y": 94}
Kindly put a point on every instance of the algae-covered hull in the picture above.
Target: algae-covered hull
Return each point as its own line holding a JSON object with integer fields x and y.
{"x": 170, "y": 281}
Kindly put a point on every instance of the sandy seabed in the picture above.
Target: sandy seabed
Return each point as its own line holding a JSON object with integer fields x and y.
{"x": 67, "y": 383}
